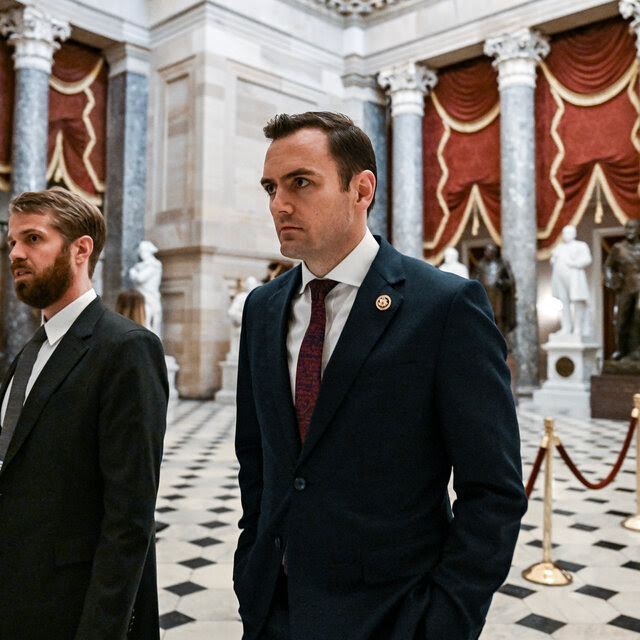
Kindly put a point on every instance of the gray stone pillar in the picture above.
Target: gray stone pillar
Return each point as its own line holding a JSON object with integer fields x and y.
{"x": 407, "y": 85}
{"x": 35, "y": 37}
{"x": 125, "y": 189}
{"x": 375, "y": 125}
{"x": 516, "y": 57}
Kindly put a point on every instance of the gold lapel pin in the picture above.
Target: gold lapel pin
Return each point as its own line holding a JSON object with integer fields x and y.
{"x": 383, "y": 303}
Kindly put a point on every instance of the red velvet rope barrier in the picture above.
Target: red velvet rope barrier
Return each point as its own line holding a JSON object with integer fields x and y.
{"x": 535, "y": 470}
{"x": 616, "y": 466}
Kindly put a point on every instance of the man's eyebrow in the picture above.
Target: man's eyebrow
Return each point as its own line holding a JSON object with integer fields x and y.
{"x": 292, "y": 174}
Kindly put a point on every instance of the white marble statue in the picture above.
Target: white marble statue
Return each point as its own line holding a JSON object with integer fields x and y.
{"x": 452, "y": 263}
{"x": 235, "y": 313}
{"x": 146, "y": 276}
{"x": 569, "y": 282}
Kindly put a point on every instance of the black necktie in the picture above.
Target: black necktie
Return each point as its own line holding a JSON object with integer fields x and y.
{"x": 18, "y": 388}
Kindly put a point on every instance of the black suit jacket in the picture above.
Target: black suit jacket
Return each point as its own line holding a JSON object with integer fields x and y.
{"x": 410, "y": 393}
{"x": 78, "y": 488}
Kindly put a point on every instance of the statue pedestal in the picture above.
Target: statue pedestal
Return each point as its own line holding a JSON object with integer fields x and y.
{"x": 227, "y": 393}
{"x": 571, "y": 363}
{"x": 612, "y": 395}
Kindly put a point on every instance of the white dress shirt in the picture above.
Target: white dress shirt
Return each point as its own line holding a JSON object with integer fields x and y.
{"x": 349, "y": 275}
{"x": 55, "y": 328}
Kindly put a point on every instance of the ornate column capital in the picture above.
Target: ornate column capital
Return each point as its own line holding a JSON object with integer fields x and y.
{"x": 407, "y": 84}
{"x": 631, "y": 9}
{"x": 34, "y": 35}
{"x": 516, "y": 56}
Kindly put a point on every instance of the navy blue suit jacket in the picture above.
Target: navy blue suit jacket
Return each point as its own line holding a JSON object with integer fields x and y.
{"x": 410, "y": 393}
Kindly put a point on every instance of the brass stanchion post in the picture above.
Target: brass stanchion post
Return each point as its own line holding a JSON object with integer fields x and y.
{"x": 546, "y": 572}
{"x": 633, "y": 522}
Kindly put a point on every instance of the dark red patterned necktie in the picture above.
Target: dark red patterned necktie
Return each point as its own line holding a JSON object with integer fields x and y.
{"x": 309, "y": 368}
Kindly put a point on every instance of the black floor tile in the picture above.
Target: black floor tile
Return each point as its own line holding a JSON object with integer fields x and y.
{"x": 196, "y": 563}
{"x": 205, "y": 542}
{"x": 605, "y": 544}
{"x": 596, "y": 592}
{"x": 626, "y": 622}
{"x": 632, "y": 564}
{"x": 515, "y": 590}
{"x": 573, "y": 567}
{"x": 583, "y": 527}
{"x": 220, "y": 510}
{"x": 174, "y": 619}
{"x": 165, "y": 509}
{"x": 185, "y": 588}
{"x": 540, "y": 623}
{"x": 214, "y": 524}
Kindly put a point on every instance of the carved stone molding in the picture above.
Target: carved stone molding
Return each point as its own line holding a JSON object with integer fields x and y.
{"x": 516, "y": 56}
{"x": 356, "y": 7}
{"x": 631, "y": 9}
{"x": 407, "y": 84}
{"x": 35, "y": 36}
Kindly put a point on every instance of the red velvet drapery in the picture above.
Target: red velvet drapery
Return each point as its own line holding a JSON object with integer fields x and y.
{"x": 77, "y": 120}
{"x": 586, "y": 109}
{"x": 461, "y": 147}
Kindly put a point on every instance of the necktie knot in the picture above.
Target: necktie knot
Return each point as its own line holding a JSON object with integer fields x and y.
{"x": 320, "y": 288}
{"x": 39, "y": 336}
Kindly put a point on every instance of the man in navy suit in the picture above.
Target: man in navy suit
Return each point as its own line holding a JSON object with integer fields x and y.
{"x": 81, "y": 442}
{"x": 347, "y": 528}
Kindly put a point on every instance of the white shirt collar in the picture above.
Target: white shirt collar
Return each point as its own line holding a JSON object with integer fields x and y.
{"x": 61, "y": 322}
{"x": 353, "y": 268}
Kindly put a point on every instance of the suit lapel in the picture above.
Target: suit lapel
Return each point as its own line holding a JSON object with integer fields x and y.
{"x": 70, "y": 350}
{"x": 364, "y": 327}
{"x": 277, "y": 321}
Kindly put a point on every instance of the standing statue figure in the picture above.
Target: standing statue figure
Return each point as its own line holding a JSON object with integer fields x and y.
{"x": 569, "y": 282}
{"x": 146, "y": 275}
{"x": 235, "y": 314}
{"x": 452, "y": 263}
{"x": 622, "y": 275}
{"x": 495, "y": 276}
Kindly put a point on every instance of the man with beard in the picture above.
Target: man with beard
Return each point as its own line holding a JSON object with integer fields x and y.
{"x": 83, "y": 419}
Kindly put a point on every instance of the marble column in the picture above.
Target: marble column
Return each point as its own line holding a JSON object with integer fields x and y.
{"x": 375, "y": 125}
{"x": 516, "y": 57}
{"x": 125, "y": 193}
{"x": 407, "y": 85}
{"x": 35, "y": 36}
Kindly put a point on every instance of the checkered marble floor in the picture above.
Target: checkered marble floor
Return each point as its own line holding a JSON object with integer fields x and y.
{"x": 199, "y": 506}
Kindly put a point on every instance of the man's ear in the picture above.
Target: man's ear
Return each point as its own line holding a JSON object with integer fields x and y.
{"x": 365, "y": 185}
{"x": 83, "y": 248}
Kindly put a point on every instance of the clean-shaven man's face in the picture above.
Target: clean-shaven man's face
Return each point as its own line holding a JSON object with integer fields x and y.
{"x": 40, "y": 260}
{"x": 316, "y": 221}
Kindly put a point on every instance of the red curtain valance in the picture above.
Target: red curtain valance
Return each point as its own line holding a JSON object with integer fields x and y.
{"x": 77, "y": 120}
{"x": 461, "y": 147}
{"x": 586, "y": 109}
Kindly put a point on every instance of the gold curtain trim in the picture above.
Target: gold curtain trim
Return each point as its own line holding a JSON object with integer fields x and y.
{"x": 460, "y": 125}
{"x": 591, "y": 99}
{"x": 57, "y": 170}
{"x": 86, "y": 113}
{"x": 72, "y": 88}
{"x": 597, "y": 178}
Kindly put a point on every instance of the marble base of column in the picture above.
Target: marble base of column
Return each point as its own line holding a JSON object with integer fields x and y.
{"x": 126, "y": 179}
{"x": 375, "y": 126}
{"x": 407, "y": 184}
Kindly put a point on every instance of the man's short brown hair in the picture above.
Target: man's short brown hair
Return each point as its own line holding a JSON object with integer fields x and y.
{"x": 349, "y": 145}
{"x": 70, "y": 214}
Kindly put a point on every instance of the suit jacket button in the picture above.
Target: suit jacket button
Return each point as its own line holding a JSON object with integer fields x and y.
{"x": 277, "y": 542}
{"x": 299, "y": 484}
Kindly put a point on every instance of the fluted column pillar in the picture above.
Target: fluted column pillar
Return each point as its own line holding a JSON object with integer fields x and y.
{"x": 35, "y": 36}
{"x": 407, "y": 84}
{"x": 516, "y": 57}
